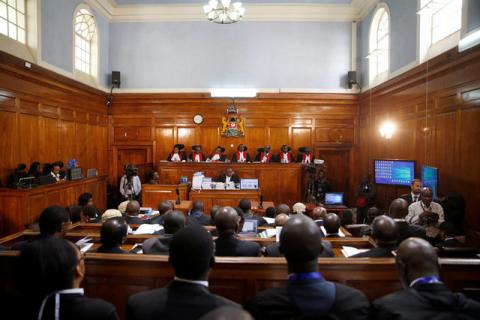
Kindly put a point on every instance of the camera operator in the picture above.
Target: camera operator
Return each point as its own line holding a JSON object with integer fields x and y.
{"x": 130, "y": 185}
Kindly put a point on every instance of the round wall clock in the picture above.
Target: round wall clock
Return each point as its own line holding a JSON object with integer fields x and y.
{"x": 197, "y": 119}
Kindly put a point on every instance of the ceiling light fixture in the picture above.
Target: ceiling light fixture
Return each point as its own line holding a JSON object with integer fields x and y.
{"x": 223, "y": 11}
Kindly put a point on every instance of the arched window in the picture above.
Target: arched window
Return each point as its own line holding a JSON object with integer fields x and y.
{"x": 85, "y": 42}
{"x": 379, "y": 44}
{"x": 440, "y": 24}
{"x": 12, "y": 19}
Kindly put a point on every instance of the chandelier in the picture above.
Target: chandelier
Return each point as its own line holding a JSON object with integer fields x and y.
{"x": 224, "y": 11}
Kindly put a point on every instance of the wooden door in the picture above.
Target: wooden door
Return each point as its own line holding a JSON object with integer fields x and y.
{"x": 337, "y": 170}
{"x": 133, "y": 156}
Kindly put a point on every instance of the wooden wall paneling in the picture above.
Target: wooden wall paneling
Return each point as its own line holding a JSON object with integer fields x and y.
{"x": 301, "y": 137}
{"x": 8, "y": 144}
{"x": 188, "y": 137}
{"x": 209, "y": 138}
{"x": 278, "y": 137}
{"x": 29, "y": 139}
{"x": 255, "y": 137}
{"x": 444, "y": 148}
{"x": 81, "y": 136}
{"x": 67, "y": 141}
{"x": 164, "y": 139}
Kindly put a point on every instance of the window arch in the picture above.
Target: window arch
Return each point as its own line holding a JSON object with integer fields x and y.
{"x": 13, "y": 19}
{"x": 379, "y": 44}
{"x": 440, "y": 25}
{"x": 85, "y": 42}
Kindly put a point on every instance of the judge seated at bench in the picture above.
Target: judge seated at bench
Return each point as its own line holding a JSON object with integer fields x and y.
{"x": 307, "y": 294}
{"x": 51, "y": 274}
{"x": 197, "y": 155}
{"x": 425, "y": 295}
{"x": 227, "y": 222}
{"x": 112, "y": 235}
{"x": 177, "y": 154}
{"x": 285, "y": 155}
{"x": 229, "y": 176}
{"x": 241, "y": 156}
{"x": 187, "y": 296}
{"x": 385, "y": 234}
{"x": 173, "y": 221}
{"x": 305, "y": 156}
{"x": 218, "y": 155}
{"x": 265, "y": 155}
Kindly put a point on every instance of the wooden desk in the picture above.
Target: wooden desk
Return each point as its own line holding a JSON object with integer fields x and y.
{"x": 222, "y": 197}
{"x": 184, "y": 206}
{"x": 280, "y": 183}
{"x": 23, "y": 206}
{"x": 261, "y": 211}
{"x": 153, "y": 194}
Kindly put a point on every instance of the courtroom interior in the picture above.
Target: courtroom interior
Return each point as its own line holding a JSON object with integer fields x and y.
{"x": 250, "y": 159}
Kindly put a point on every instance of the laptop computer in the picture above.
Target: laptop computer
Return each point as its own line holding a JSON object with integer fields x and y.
{"x": 250, "y": 228}
{"x": 334, "y": 199}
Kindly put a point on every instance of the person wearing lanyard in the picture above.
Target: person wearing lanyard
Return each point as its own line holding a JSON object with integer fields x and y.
{"x": 307, "y": 293}
{"x": 52, "y": 271}
{"x": 425, "y": 295}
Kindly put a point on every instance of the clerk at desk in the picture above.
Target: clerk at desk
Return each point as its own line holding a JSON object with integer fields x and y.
{"x": 229, "y": 176}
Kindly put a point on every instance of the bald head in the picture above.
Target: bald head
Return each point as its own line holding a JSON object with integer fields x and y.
{"x": 133, "y": 208}
{"x": 283, "y": 208}
{"x": 227, "y": 220}
{"x": 319, "y": 213}
{"x": 173, "y": 221}
{"x": 416, "y": 258}
{"x": 300, "y": 242}
{"x": 331, "y": 222}
{"x": 384, "y": 231}
{"x": 165, "y": 206}
{"x": 280, "y": 219}
{"x": 398, "y": 208}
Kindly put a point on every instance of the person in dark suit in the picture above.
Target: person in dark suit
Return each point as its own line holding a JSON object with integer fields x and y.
{"x": 51, "y": 272}
{"x": 307, "y": 294}
{"x": 173, "y": 222}
{"x": 447, "y": 234}
{"x": 241, "y": 155}
{"x": 246, "y": 206}
{"x": 163, "y": 207}
{"x": 53, "y": 223}
{"x": 213, "y": 212}
{"x": 229, "y": 176}
{"x": 196, "y": 214}
{"x": 132, "y": 213}
{"x": 398, "y": 211}
{"x": 273, "y": 249}
{"x": 218, "y": 155}
{"x": 90, "y": 214}
{"x": 425, "y": 295}
{"x": 385, "y": 234}
{"x": 332, "y": 224}
{"x": 112, "y": 235}
{"x": 414, "y": 195}
{"x": 177, "y": 154}
{"x": 187, "y": 296}
{"x": 197, "y": 155}
{"x": 228, "y": 225}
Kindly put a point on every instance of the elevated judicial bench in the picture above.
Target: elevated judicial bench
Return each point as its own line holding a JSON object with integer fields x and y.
{"x": 23, "y": 206}
{"x": 115, "y": 277}
{"x": 280, "y": 183}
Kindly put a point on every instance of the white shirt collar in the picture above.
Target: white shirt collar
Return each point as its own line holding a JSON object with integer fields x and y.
{"x": 200, "y": 282}
{"x": 72, "y": 291}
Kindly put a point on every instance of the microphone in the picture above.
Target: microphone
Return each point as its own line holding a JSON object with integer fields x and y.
{"x": 260, "y": 205}
{"x": 178, "y": 196}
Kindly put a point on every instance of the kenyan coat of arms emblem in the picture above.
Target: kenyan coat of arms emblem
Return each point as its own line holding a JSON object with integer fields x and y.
{"x": 232, "y": 124}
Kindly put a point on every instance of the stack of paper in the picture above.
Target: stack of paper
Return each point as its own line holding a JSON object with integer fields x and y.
{"x": 269, "y": 220}
{"x": 84, "y": 244}
{"x": 267, "y": 233}
{"x": 148, "y": 228}
{"x": 351, "y": 251}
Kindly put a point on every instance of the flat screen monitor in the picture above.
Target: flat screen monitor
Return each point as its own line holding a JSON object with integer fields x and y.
{"x": 429, "y": 176}
{"x": 75, "y": 174}
{"x": 333, "y": 198}
{"x": 249, "y": 184}
{"x": 394, "y": 172}
{"x": 250, "y": 227}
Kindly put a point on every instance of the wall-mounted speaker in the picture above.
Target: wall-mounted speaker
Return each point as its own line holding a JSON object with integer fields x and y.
{"x": 352, "y": 78}
{"x": 116, "y": 79}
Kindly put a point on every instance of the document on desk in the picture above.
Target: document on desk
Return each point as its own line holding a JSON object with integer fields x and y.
{"x": 267, "y": 233}
{"x": 351, "y": 251}
{"x": 148, "y": 228}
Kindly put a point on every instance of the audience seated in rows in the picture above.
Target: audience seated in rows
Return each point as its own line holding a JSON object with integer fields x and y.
{"x": 132, "y": 213}
{"x": 213, "y": 212}
{"x": 331, "y": 223}
{"x": 90, "y": 214}
{"x": 187, "y": 296}
{"x": 299, "y": 208}
{"x": 347, "y": 217}
{"x": 197, "y": 214}
{"x": 385, "y": 233}
{"x": 425, "y": 210}
{"x": 51, "y": 272}
{"x": 447, "y": 235}
{"x": 425, "y": 295}
{"x": 307, "y": 294}
{"x": 398, "y": 211}
{"x": 246, "y": 206}
{"x": 283, "y": 208}
{"x": 273, "y": 249}
{"x": 109, "y": 214}
{"x": 227, "y": 222}
{"x": 112, "y": 235}
{"x": 270, "y": 212}
{"x": 163, "y": 207}
{"x": 173, "y": 222}
{"x": 52, "y": 222}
